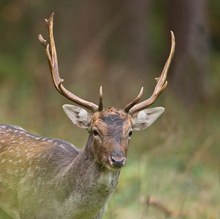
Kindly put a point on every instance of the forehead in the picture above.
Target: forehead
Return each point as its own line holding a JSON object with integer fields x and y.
{"x": 113, "y": 118}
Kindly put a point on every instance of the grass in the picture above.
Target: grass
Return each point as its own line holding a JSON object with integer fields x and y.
{"x": 190, "y": 193}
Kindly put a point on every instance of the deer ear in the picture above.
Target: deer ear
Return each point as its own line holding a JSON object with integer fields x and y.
{"x": 145, "y": 118}
{"x": 77, "y": 115}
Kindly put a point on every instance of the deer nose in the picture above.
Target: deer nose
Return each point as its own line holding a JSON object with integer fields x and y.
{"x": 117, "y": 160}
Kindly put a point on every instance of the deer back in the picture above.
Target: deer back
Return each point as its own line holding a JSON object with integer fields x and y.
{"x": 29, "y": 164}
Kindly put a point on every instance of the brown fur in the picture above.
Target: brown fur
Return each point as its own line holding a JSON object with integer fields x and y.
{"x": 114, "y": 126}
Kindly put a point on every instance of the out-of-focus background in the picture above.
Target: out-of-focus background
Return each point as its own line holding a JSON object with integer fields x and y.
{"x": 173, "y": 169}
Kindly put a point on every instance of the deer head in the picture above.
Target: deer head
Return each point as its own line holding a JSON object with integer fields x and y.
{"x": 110, "y": 129}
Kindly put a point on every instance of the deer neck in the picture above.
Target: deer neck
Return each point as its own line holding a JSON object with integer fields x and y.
{"x": 86, "y": 184}
{"x": 86, "y": 171}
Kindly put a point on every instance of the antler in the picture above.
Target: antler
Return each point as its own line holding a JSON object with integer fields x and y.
{"x": 160, "y": 86}
{"x": 135, "y": 101}
{"x": 53, "y": 63}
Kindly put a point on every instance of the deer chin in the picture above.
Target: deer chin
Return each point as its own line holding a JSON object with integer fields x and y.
{"x": 112, "y": 168}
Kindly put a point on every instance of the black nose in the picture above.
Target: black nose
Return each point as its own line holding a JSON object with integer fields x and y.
{"x": 117, "y": 160}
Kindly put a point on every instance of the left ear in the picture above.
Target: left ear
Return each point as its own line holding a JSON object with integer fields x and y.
{"x": 145, "y": 118}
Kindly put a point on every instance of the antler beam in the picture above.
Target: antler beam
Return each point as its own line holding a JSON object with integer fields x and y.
{"x": 160, "y": 86}
{"x": 53, "y": 63}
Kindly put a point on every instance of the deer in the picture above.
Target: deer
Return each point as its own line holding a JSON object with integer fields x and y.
{"x": 50, "y": 178}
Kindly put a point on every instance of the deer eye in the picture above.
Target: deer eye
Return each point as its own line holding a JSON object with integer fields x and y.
{"x": 95, "y": 132}
{"x": 130, "y": 133}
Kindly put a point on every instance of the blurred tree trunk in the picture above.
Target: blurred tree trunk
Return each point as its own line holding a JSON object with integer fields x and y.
{"x": 188, "y": 20}
{"x": 138, "y": 32}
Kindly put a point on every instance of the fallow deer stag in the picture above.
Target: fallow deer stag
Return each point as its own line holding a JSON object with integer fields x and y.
{"x": 46, "y": 178}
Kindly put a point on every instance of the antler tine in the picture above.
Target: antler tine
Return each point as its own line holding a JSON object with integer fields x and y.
{"x": 53, "y": 63}
{"x": 161, "y": 82}
{"x": 135, "y": 101}
{"x": 100, "y": 99}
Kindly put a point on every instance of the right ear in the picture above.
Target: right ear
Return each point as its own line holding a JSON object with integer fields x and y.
{"x": 146, "y": 117}
{"x": 78, "y": 115}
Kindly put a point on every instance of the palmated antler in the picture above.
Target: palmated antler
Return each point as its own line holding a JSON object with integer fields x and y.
{"x": 133, "y": 108}
{"x": 53, "y": 63}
